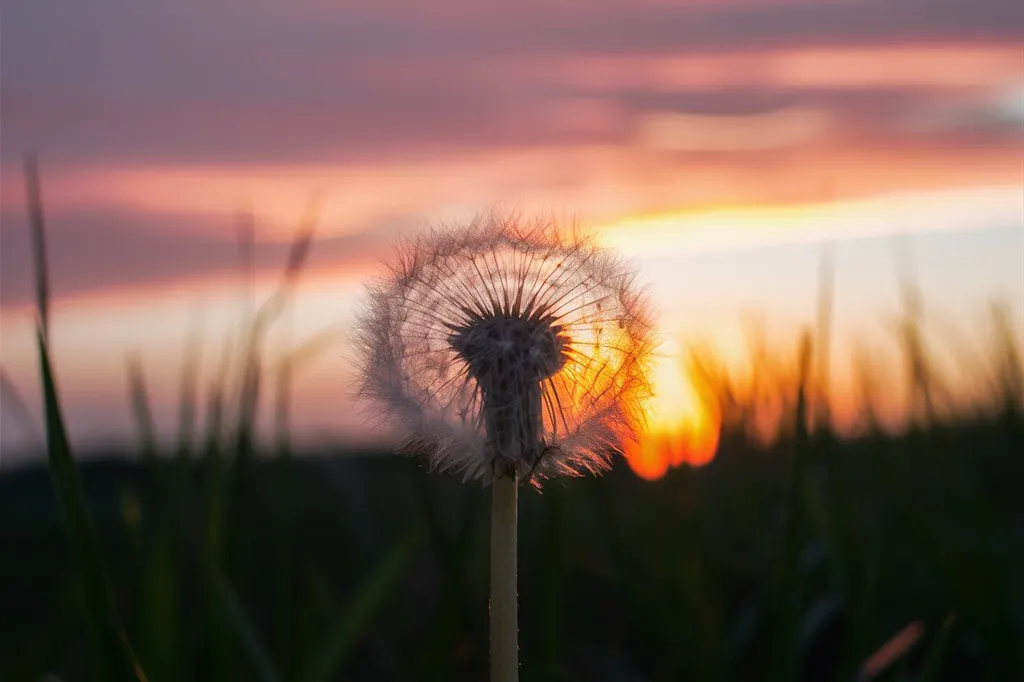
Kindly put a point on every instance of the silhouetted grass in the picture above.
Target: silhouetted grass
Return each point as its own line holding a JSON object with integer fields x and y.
{"x": 112, "y": 657}
{"x": 795, "y": 554}
{"x": 659, "y": 580}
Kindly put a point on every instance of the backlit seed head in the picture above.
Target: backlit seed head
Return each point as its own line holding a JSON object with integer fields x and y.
{"x": 506, "y": 347}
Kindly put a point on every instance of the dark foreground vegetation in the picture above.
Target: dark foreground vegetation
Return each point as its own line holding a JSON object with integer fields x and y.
{"x": 364, "y": 567}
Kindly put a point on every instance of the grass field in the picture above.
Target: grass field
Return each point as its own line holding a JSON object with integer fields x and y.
{"x": 363, "y": 566}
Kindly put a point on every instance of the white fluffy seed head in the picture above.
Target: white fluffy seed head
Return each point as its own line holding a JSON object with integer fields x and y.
{"x": 505, "y": 346}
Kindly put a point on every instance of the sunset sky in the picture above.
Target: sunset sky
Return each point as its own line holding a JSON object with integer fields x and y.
{"x": 717, "y": 143}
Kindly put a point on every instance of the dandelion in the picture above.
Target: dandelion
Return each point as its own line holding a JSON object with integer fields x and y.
{"x": 504, "y": 348}
{"x": 511, "y": 352}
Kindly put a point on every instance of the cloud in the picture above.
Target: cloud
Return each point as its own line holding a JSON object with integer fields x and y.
{"x": 152, "y": 117}
{"x": 266, "y": 39}
{"x": 114, "y": 248}
{"x": 289, "y": 83}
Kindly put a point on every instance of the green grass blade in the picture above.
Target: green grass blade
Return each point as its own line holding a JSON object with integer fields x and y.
{"x": 159, "y": 598}
{"x": 188, "y": 392}
{"x": 216, "y": 638}
{"x": 285, "y": 556}
{"x": 113, "y": 656}
{"x": 790, "y": 587}
{"x": 298, "y": 254}
{"x": 283, "y": 411}
{"x": 34, "y": 199}
{"x": 160, "y": 612}
{"x": 314, "y": 347}
{"x": 821, "y": 411}
{"x": 344, "y": 634}
{"x": 933, "y": 661}
{"x": 248, "y": 400}
{"x": 139, "y": 399}
{"x": 244, "y": 630}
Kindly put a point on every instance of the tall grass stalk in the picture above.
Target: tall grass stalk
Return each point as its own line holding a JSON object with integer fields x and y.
{"x": 823, "y": 337}
{"x": 139, "y": 398}
{"x": 188, "y": 391}
{"x": 112, "y": 655}
{"x": 790, "y": 589}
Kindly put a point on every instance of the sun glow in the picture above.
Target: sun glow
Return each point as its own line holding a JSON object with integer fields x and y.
{"x": 682, "y": 427}
{"x": 729, "y": 227}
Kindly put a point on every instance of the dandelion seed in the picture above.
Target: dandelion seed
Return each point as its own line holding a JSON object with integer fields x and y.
{"x": 504, "y": 348}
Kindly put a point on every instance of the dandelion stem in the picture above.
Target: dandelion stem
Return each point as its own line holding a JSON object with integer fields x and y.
{"x": 504, "y": 595}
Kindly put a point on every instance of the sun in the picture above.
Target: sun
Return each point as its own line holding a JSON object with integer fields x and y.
{"x": 682, "y": 428}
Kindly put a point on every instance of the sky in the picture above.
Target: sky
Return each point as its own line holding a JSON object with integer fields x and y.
{"x": 716, "y": 143}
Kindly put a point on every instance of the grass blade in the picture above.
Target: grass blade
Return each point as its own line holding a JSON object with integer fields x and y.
{"x": 139, "y": 398}
{"x": 243, "y": 628}
{"x": 188, "y": 392}
{"x": 283, "y": 397}
{"x": 790, "y": 586}
{"x": 259, "y": 322}
{"x": 295, "y": 264}
{"x": 160, "y": 614}
{"x": 113, "y": 656}
{"x": 820, "y": 413}
{"x": 34, "y": 199}
{"x": 215, "y": 637}
{"x": 370, "y": 597}
{"x": 933, "y": 661}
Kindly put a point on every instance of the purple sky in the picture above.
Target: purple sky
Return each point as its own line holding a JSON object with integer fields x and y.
{"x": 157, "y": 122}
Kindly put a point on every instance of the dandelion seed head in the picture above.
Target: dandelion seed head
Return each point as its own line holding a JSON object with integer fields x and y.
{"x": 504, "y": 346}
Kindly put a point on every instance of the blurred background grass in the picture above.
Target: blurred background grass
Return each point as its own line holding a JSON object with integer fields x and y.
{"x": 792, "y": 555}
